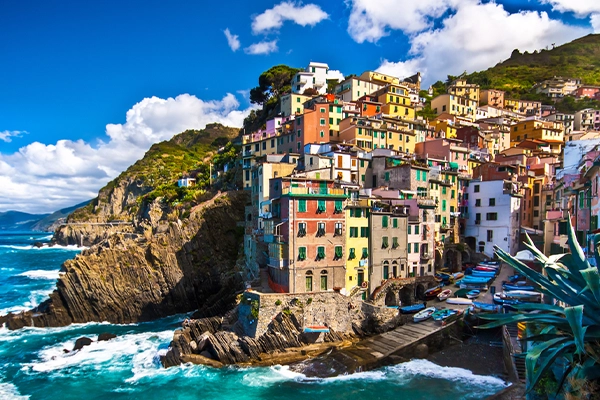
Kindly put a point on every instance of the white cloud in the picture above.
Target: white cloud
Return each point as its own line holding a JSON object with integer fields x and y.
{"x": 335, "y": 74}
{"x": 6, "y": 136}
{"x": 581, "y": 8}
{"x": 262, "y": 48}
{"x": 46, "y": 177}
{"x": 273, "y": 18}
{"x": 232, "y": 40}
{"x": 595, "y": 21}
{"x": 476, "y": 36}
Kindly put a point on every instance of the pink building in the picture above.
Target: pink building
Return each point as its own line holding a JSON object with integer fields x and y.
{"x": 451, "y": 150}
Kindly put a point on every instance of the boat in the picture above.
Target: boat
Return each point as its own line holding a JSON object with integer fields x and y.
{"x": 482, "y": 287}
{"x": 483, "y": 274}
{"x": 459, "y": 301}
{"x": 432, "y": 293}
{"x": 499, "y": 299}
{"x": 442, "y": 314}
{"x": 412, "y": 309}
{"x": 423, "y": 315}
{"x": 476, "y": 279}
{"x": 473, "y": 294}
{"x": 458, "y": 275}
{"x": 444, "y": 294}
{"x": 511, "y": 287}
{"x": 488, "y": 307}
{"x": 521, "y": 294}
{"x": 484, "y": 269}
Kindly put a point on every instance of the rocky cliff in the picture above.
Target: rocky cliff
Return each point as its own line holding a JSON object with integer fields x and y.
{"x": 172, "y": 266}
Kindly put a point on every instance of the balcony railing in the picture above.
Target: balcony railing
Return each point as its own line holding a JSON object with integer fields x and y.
{"x": 300, "y": 191}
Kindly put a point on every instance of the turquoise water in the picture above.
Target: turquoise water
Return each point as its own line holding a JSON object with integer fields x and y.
{"x": 33, "y": 364}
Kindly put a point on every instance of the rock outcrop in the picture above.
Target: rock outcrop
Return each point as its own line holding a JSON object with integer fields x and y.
{"x": 173, "y": 267}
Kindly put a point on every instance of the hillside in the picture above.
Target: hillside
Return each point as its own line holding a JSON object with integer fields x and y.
{"x": 156, "y": 174}
{"x": 16, "y": 220}
{"x": 50, "y": 222}
{"x": 577, "y": 59}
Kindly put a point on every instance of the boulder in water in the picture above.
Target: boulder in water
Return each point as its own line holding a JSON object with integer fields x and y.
{"x": 38, "y": 244}
{"x": 81, "y": 342}
{"x": 106, "y": 336}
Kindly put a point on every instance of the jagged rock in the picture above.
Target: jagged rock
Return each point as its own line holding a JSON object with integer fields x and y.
{"x": 206, "y": 354}
{"x": 38, "y": 244}
{"x": 126, "y": 279}
{"x": 81, "y": 342}
{"x": 106, "y": 336}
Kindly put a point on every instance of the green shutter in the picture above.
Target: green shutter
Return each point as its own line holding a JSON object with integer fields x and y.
{"x": 416, "y": 229}
{"x": 418, "y": 175}
{"x": 321, "y": 252}
{"x": 384, "y": 242}
{"x": 302, "y": 253}
{"x": 301, "y": 205}
{"x": 387, "y": 176}
{"x": 321, "y": 206}
{"x": 395, "y": 242}
{"x": 395, "y": 222}
{"x": 384, "y": 221}
{"x": 409, "y": 229}
{"x": 443, "y": 205}
{"x": 416, "y": 247}
{"x": 365, "y": 252}
{"x": 338, "y": 252}
{"x": 338, "y": 206}
{"x": 352, "y": 255}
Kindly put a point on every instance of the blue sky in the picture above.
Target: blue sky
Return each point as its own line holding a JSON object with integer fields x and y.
{"x": 87, "y": 87}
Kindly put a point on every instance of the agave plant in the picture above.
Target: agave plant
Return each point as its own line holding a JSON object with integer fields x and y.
{"x": 571, "y": 332}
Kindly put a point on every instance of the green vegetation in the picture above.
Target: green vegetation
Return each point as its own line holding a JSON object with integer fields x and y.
{"x": 156, "y": 174}
{"x": 564, "y": 342}
{"x": 577, "y": 59}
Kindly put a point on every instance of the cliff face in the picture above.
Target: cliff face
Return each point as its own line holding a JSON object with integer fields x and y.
{"x": 171, "y": 267}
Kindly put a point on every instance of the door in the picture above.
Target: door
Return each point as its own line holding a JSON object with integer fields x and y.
{"x": 323, "y": 282}
{"x": 422, "y": 271}
{"x": 323, "y": 187}
{"x": 386, "y": 272}
{"x": 361, "y": 278}
{"x": 309, "y": 284}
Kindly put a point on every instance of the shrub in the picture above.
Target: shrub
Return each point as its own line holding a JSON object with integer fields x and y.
{"x": 278, "y": 302}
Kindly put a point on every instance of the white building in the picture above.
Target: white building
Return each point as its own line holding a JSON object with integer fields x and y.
{"x": 584, "y": 120}
{"x": 186, "y": 182}
{"x": 313, "y": 77}
{"x": 567, "y": 120}
{"x": 493, "y": 216}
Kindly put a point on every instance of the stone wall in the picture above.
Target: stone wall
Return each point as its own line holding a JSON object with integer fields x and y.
{"x": 331, "y": 309}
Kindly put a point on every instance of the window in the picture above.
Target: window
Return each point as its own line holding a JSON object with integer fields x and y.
{"x": 353, "y": 231}
{"x": 338, "y": 229}
{"x": 322, "y": 121}
{"x": 491, "y": 216}
{"x": 477, "y": 202}
{"x": 395, "y": 243}
{"x": 416, "y": 229}
{"x": 364, "y": 232}
{"x": 386, "y": 270}
{"x": 536, "y": 213}
{"x": 490, "y": 235}
{"x": 301, "y": 229}
{"x": 320, "y": 229}
{"x": 365, "y": 253}
{"x": 416, "y": 247}
{"x": 321, "y": 207}
{"x": 408, "y": 248}
{"x": 443, "y": 189}
{"x": 338, "y": 253}
{"x": 323, "y": 280}
{"x": 384, "y": 242}
{"x": 320, "y": 253}
{"x": 301, "y": 205}
{"x": 309, "y": 285}
{"x": 443, "y": 205}
{"x": 384, "y": 221}
{"x": 418, "y": 175}
{"x": 322, "y": 110}
{"x": 452, "y": 194}
{"x": 387, "y": 176}
{"x": 301, "y": 253}
{"x": 395, "y": 223}
{"x": 492, "y": 202}
{"x": 352, "y": 254}
{"x": 409, "y": 229}
{"x": 338, "y": 207}
{"x": 476, "y": 190}
{"x": 477, "y": 218}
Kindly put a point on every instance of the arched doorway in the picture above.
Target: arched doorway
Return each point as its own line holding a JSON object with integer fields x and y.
{"x": 390, "y": 299}
{"x": 309, "y": 281}
{"x": 324, "y": 280}
{"x": 405, "y": 296}
{"x": 386, "y": 270}
{"x": 394, "y": 269}
{"x": 471, "y": 242}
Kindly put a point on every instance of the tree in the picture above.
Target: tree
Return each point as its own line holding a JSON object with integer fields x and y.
{"x": 272, "y": 84}
{"x": 569, "y": 335}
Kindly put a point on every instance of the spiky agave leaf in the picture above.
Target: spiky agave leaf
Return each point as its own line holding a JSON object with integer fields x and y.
{"x": 575, "y": 317}
{"x": 550, "y": 349}
{"x": 592, "y": 279}
{"x": 576, "y": 250}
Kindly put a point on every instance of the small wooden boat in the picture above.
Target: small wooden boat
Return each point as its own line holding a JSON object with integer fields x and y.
{"x": 484, "y": 269}
{"x": 432, "y": 293}
{"x": 473, "y": 294}
{"x": 483, "y": 274}
{"x": 445, "y": 314}
{"x": 424, "y": 315}
{"x": 444, "y": 294}
{"x": 459, "y": 301}
{"x": 510, "y": 287}
{"x": 485, "y": 307}
{"x": 521, "y": 294}
{"x": 412, "y": 309}
{"x": 316, "y": 329}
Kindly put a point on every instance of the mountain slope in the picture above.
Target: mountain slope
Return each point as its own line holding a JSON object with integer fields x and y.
{"x": 577, "y": 59}
{"x": 50, "y": 222}
{"x": 16, "y": 220}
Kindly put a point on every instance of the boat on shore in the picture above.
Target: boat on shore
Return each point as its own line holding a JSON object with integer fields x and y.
{"x": 459, "y": 301}
{"x": 511, "y": 287}
{"x": 432, "y": 293}
{"x": 424, "y": 314}
{"x": 444, "y": 294}
{"x": 485, "y": 307}
{"x": 473, "y": 294}
{"x": 412, "y": 309}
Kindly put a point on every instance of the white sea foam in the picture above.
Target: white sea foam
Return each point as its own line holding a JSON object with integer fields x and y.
{"x": 55, "y": 247}
{"x": 432, "y": 370}
{"x": 33, "y": 300}
{"x": 8, "y": 391}
{"x": 40, "y": 274}
{"x": 136, "y": 351}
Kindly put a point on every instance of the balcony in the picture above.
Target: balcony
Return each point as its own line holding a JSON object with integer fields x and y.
{"x": 248, "y": 153}
{"x": 445, "y": 228}
{"x": 317, "y": 192}
{"x": 426, "y": 202}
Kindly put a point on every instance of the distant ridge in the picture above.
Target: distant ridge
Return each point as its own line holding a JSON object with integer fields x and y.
{"x": 21, "y": 221}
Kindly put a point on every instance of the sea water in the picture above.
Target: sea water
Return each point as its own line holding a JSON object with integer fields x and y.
{"x": 34, "y": 364}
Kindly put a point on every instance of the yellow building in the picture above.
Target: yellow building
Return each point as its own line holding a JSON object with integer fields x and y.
{"x": 444, "y": 125}
{"x": 396, "y": 101}
{"x": 364, "y": 132}
{"x": 357, "y": 243}
{"x": 292, "y": 104}
{"x": 455, "y": 105}
{"x": 400, "y": 134}
{"x": 379, "y": 78}
{"x": 461, "y": 88}
{"x": 534, "y": 128}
